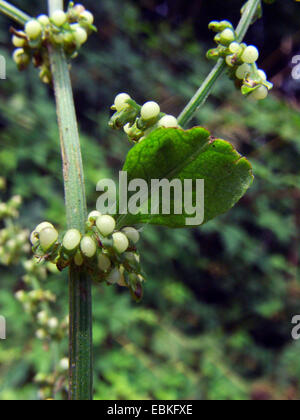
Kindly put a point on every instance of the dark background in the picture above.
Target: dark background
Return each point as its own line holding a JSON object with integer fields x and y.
{"x": 215, "y": 322}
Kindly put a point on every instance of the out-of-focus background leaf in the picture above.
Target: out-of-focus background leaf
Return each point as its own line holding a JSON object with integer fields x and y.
{"x": 216, "y": 319}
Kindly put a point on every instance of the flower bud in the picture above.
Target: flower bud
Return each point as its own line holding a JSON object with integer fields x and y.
{"x": 227, "y": 36}
{"x": 168, "y": 121}
{"x": 250, "y": 55}
{"x": 71, "y": 240}
{"x": 93, "y": 216}
{"x": 121, "y": 101}
{"x": 58, "y": 17}
{"x": 42, "y": 317}
{"x": 43, "y": 20}
{"x": 18, "y": 41}
{"x": 88, "y": 247}
{"x": 262, "y": 75}
{"x": 114, "y": 276}
{"x": 48, "y": 237}
{"x": 235, "y": 48}
{"x": 150, "y": 110}
{"x": 41, "y": 334}
{"x": 64, "y": 364}
{"x": 87, "y": 16}
{"x": 106, "y": 225}
{"x": 80, "y": 35}
{"x": 33, "y": 29}
{"x": 78, "y": 259}
{"x": 21, "y": 58}
{"x": 132, "y": 234}
{"x": 242, "y": 71}
{"x": 53, "y": 323}
{"x": 121, "y": 242}
{"x": 260, "y": 93}
{"x": 104, "y": 262}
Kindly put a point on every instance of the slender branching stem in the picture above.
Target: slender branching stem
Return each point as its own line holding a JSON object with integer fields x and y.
{"x": 14, "y": 13}
{"x": 79, "y": 283}
{"x": 204, "y": 91}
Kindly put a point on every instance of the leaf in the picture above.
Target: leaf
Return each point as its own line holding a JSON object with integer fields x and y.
{"x": 178, "y": 154}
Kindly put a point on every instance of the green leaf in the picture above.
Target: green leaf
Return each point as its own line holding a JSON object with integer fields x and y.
{"x": 178, "y": 154}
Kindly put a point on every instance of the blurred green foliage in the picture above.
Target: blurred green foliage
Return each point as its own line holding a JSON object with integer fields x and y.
{"x": 215, "y": 321}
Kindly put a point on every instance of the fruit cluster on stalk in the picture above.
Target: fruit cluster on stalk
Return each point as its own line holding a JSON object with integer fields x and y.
{"x": 67, "y": 29}
{"x": 241, "y": 61}
{"x": 139, "y": 121}
{"x": 108, "y": 255}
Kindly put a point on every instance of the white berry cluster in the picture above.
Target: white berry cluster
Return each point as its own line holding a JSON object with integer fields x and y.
{"x": 241, "y": 61}
{"x": 139, "y": 121}
{"x": 107, "y": 254}
{"x": 67, "y": 29}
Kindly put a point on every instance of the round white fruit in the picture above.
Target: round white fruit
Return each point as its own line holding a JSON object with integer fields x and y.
{"x": 132, "y": 234}
{"x": 58, "y": 17}
{"x": 33, "y": 29}
{"x": 227, "y": 36}
{"x": 80, "y": 35}
{"x": 18, "y": 42}
{"x": 121, "y": 242}
{"x": 262, "y": 75}
{"x": 71, "y": 239}
{"x": 260, "y": 93}
{"x": 150, "y": 110}
{"x": 87, "y": 16}
{"x": 114, "y": 276}
{"x": 250, "y": 55}
{"x": 93, "y": 216}
{"x": 44, "y": 20}
{"x": 106, "y": 225}
{"x": 88, "y": 247}
{"x": 168, "y": 121}
{"x": 234, "y": 47}
{"x": 242, "y": 71}
{"x": 121, "y": 101}
{"x": 104, "y": 262}
{"x": 48, "y": 237}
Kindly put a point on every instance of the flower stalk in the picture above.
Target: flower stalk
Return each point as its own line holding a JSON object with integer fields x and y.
{"x": 80, "y": 347}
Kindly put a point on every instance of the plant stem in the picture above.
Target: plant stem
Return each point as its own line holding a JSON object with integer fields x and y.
{"x": 80, "y": 386}
{"x": 14, "y": 13}
{"x": 203, "y": 92}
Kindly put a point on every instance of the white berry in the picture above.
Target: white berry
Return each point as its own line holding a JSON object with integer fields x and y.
{"x": 88, "y": 16}
{"x": 242, "y": 71}
{"x": 41, "y": 226}
{"x": 78, "y": 259}
{"x": 48, "y": 237}
{"x": 234, "y": 47}
{"x": 260, "y": 93}
{"x": 93, "y": 216}
{"x": 64, "y": 363}
{"x": 71, "y": 239}
{"x": 104, "y": 262}
{"x": 53, "y": 323}
{"x": 33, "y": 29}
{"x": 150, "y": 110}
{"x": 121, "y": 242}
{"x": 106, "y": 225}
{"x": 227, "y": 36}
{"x": 132, "y": 234}
{"x": 250, "y": 55}
{"x": 114, "y": 276}
{"x": 121, "y": 101}
{"x": 262, "y": 75}
{"x": 44, "y": 20}
{"x": 58, "y": 17}
{"x": 18, "y": 42}
{"x": 80, "y": 35}
{"x": 88, "y": 247}
{"x": 168, "y": 121}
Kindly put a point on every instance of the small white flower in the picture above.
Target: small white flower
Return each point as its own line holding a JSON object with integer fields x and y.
{"x": 121, "y": 101}
{"x": 58, "y": 17}
{"x": 250, "y": 55}
{"x": 168, "y": 121}
{"x": 33, "y": 29}
{"x": 150, "y": 110}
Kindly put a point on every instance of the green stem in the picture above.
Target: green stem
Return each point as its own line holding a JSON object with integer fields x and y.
{"x": 14, "y": 13}
{"x": 204, "y": 91}
{"x": 80, "y": 386}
